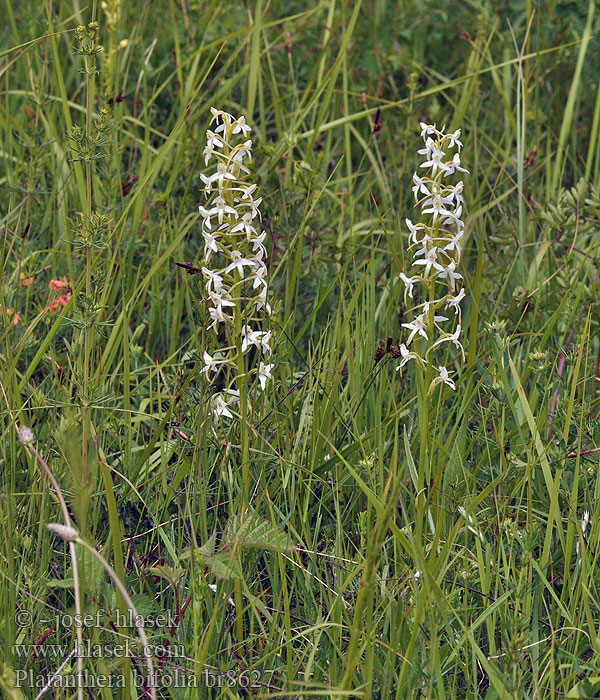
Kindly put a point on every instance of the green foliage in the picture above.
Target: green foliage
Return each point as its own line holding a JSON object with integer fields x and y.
{"x": 380, "y": 555}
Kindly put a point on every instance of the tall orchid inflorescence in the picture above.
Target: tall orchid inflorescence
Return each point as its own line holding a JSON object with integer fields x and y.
{"x": 436, "y": 242}
{"x": 234, "y": 270}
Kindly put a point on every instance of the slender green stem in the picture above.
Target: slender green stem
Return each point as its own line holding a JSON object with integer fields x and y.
{"x": 424, "y": 466}
{"x": 367, "y": 582}
{"x": 242, "y": 387}
{"x": 140, "y": 628}
{"x": 423, "y": 404}
{"x": 88, "y": 328}
{"x": 76, "y": 582}
{"x": 241, "y": 383}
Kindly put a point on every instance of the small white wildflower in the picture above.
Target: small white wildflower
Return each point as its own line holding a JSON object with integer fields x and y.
{"x": 220, "y": 299}
{"x": 449, "y": 272}
{"x": 210, "y": 244}
{"x": 451, "y": 338}
{"x": 456, "y": 191}
{"x": 264, "y": 373}
{"x": 454, "y": 220}
{"x": 420, "y": 187}
{"x": 409, "y": 284}
{"x": 406, "y": 356}
{"x": 414, "y": 230}
{"x": 238, "y": 262}
{"x": 265, "y": 338}
{"x": 226, "y": 123}
{"x": 254, "y": 204}
{"x": 435, "y": 206}
{"x": 454, "y": 302}
{"x": 232, "y": 236}
{"x": 211, "y": 363}
{"x": 430, "y": 260}
{"x": 257, "y": 243}
{"x": 261, "y": 302}
{"x": 65, "y": 532}
{"x": 426, "y": 129}
{"x": 442, "y": 377}
{"x": 248, "y": 191}
{"x": 213, "y": 140}
{"x": 221, "y": 208}
{"x": 206, "y": 215}
{"x": 249, "y": 337}
{"x": 240, "y": 125}
{"x": 258, "y": 276}
{"x": 438, "y": 244}
{"x": 435, "y": 160}
{"x": 585, "y": 522}
{"x": 416, "y": 326}
{"x": 429, "y": 147}
{"x": 245, "y": 224}
{"x": 436, "y": 317}
{"x": 221, "y": 406}
{"x": 454, "y": 139}
{"x": 454, "y": 243}
{"x": 217, "y": 316}
{"x": 25, "y": 434}
{"x": 453, "y": 166}
{"x": 213, "y": 279}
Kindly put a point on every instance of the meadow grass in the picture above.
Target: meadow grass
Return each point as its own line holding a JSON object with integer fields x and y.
{"x": 364, "y": 549}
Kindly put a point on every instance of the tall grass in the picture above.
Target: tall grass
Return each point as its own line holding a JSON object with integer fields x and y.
{"x": 363, "y": 570}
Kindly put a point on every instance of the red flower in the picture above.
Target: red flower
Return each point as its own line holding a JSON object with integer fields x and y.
{"x": 15, "y": 315}
{"x": 57, "y": 285}
{"x": 58, "y": 303}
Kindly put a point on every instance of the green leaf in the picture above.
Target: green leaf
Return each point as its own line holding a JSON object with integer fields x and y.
{"x": 587, "y": 688}
{"x": 208, "y": 548}
{"x": 225, "y": 565}
{"x": 248, "y": 530}
{"x": 168, "y": 573}
{"x": 59, "y": 583}
{"x": 8, "y": 683}
{"x": 143, "y": 605}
